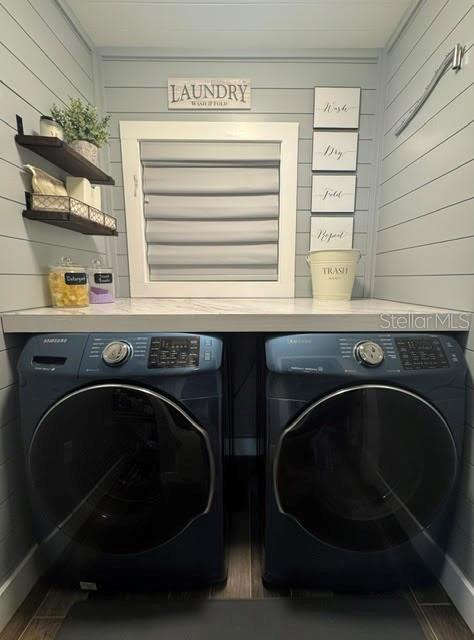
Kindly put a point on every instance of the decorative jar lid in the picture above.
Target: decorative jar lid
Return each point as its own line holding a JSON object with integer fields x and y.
{"x": 98, "y": 266}
{"x": 65, "y": 263}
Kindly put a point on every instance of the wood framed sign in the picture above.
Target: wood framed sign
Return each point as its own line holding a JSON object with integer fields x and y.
{"x": 333, "y": 194}
{"x": 335, "y": 150}
{"x": 331, "y": 232}
{"x": 336, "y": 107}
{"x": 209, "y": 93}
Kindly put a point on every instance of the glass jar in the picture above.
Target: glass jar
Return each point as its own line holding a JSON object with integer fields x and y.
{"x": 102, "y": 286}
{"x": 68, "y": 284}
{"x": 50, "y": 128}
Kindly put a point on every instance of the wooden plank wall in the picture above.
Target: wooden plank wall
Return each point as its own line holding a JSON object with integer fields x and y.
{"x": 282, "y": 90}
{"x": 42, "y": 60}
{"x": 425, "y": 238}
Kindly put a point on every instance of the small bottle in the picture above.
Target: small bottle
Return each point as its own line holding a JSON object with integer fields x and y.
{"x": 102, "y": 286}
{"x": 50, "y": 128}
{"x": 68, "y": 284}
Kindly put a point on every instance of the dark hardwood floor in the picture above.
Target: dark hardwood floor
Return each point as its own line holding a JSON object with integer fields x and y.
{"x": 45, "y": 609}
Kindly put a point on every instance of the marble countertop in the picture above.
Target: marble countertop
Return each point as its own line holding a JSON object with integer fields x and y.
{"x": 232, "y": 314}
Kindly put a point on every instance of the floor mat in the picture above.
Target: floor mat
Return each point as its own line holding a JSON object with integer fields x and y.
{"x": 337, "y": 618}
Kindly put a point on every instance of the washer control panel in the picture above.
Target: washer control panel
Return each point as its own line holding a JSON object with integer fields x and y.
{"x": 150, "y": 354}
{"x": 116, "y": 353}
{"x": 369, "y": 353}
{"x": 421, "y": 353}
{"x": 174, "y": 352}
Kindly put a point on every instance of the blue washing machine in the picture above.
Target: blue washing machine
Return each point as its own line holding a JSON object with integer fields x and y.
{"x": 125, "y": 438}
{"x": 363, "y": 447}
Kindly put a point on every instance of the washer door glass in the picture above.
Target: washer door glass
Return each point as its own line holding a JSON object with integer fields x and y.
{"x": 120, "y": 468}
{"x": 366, "y": 468}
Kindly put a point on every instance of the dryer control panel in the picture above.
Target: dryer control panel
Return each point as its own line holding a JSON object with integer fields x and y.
{"x": 364, "y": 354}
{"x": 421, "y": 352}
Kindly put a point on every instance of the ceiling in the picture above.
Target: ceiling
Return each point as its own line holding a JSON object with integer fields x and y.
{"x": 239, "y": 25}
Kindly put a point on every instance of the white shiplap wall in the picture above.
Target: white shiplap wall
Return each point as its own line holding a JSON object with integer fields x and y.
{"x": 425, "y": 239}
{"x": 282, "y": 90}
{"x": 42, "y": 60}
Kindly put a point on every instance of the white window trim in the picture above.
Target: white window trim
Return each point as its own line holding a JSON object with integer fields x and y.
{"x": 285, "y": 133}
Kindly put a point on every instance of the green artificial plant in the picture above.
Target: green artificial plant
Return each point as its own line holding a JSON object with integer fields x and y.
{"x": 81, "y": 121}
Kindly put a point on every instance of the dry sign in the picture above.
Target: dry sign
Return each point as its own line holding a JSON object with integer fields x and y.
{"x": 208, "y": 93}
{"x": 335, "y": 150}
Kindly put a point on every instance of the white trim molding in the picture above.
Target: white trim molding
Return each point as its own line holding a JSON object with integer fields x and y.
{"x": 459, "y": 589}
{"x": 40, "y": 557}
{"x": 283, "y": 133}
{"x": 455, "y": 583}
{"x": 19, "y": 583}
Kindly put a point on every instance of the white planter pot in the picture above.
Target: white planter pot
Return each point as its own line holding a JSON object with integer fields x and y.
{"x": 86, "y": 149}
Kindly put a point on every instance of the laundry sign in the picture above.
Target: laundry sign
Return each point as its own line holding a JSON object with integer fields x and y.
{"x": 208, "y": 93}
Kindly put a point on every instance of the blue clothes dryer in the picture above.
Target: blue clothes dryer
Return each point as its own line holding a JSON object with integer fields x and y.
{"x": 125, "y": 438}
{"x": 363, "y": 447}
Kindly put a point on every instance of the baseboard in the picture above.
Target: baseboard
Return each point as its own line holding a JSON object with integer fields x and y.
{"x": 19, "y": 583}
{"x": 459, "y": 589}
{"x": 23, "y": 578}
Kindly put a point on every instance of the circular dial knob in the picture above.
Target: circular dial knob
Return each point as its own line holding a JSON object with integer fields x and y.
{"x": 369, "y": 353}
{"x": 116, "y": 353}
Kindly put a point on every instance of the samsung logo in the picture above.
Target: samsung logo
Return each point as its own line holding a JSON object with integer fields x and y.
{"x": 55, "y": 340}
{"x": 299, "y": 341}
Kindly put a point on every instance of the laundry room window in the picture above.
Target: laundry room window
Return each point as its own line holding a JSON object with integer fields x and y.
{"x": 210, "y": 208}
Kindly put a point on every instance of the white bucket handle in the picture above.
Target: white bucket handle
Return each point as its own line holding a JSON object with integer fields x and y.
{"x": 308, "y": 259}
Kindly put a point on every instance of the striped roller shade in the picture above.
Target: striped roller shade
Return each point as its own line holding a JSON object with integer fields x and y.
{"x": 211, "y": 210}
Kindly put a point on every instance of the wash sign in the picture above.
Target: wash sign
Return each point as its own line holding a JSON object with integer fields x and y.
{"x": 208, "y": 93}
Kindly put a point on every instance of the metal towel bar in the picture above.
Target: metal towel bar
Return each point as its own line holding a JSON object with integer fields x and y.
{"x": 454, "y": 61}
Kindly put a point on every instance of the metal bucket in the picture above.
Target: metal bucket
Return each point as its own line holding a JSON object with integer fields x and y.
{"x": 333, "y": 272}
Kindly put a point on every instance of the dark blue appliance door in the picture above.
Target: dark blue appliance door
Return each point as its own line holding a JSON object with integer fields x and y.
{"x": 365, "y": 468}
{"x": 120, "y": 468}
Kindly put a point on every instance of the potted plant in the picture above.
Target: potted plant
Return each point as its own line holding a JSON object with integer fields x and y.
{"x": 84, "y": 130}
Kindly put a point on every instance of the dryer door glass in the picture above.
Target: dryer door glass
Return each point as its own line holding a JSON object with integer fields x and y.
{"x": 120, "y": 469}
{"x": 366, "y": 468}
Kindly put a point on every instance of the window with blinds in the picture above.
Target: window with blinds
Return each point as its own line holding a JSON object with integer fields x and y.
{"x": 210, "y": 208}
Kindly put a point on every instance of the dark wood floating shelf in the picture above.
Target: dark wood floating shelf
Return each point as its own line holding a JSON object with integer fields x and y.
{"x": 70, "y": 221}
{"x": 64, "y": 157}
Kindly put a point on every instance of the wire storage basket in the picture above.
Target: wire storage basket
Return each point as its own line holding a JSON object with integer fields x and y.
{"x": 68, "y": 212}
